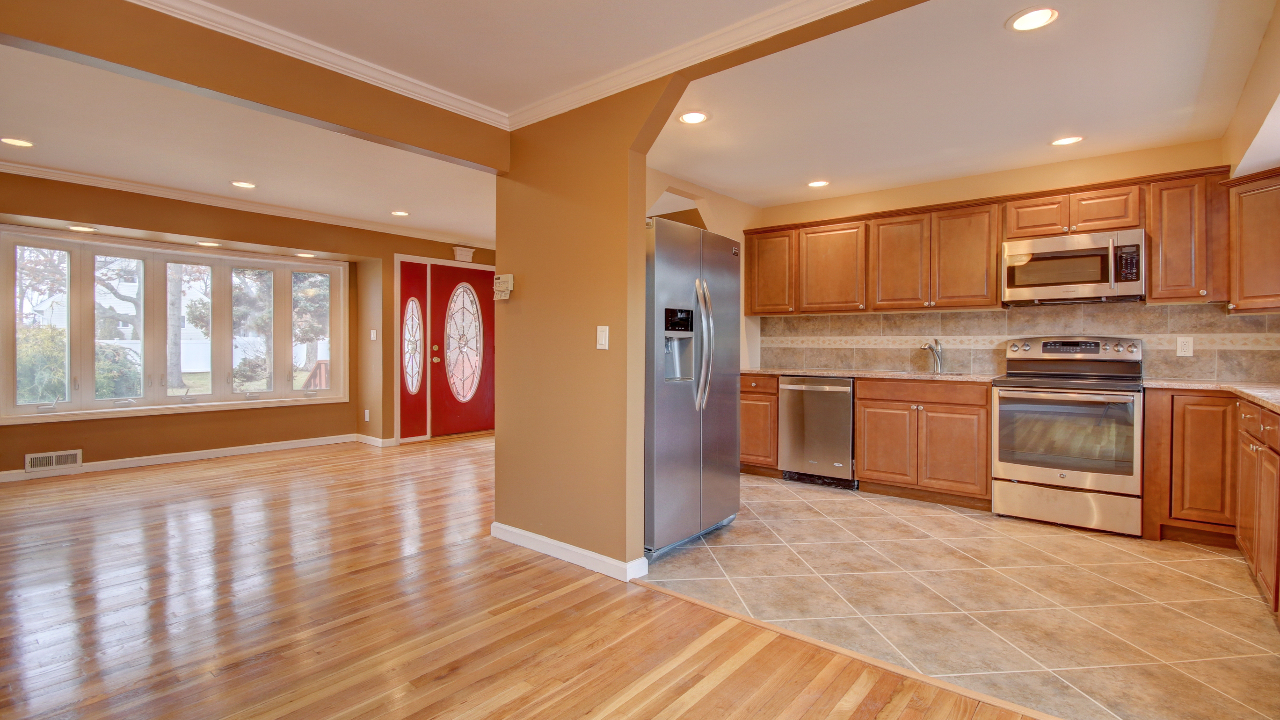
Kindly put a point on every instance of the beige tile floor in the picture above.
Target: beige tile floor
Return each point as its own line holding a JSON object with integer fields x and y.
{"x": 1080, "y": 625}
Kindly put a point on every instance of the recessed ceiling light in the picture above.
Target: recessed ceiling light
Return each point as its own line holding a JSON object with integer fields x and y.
{"x": 16, "y": 142}
{"x": 399, "y": 213}
{"x": 819, "y": 183}
{"x": 243, "y": 184}
{"x": 305, "y": 254}
{"x": 206, "y": 243}
{"x": 82, "y": 228}
{"x": 1032, "y": 19}
{"x": 693, "y": 118}
{"x": 1068, "y": 141}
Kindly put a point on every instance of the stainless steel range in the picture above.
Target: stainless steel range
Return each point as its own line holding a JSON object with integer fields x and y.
{"x": 1067, "y": 433}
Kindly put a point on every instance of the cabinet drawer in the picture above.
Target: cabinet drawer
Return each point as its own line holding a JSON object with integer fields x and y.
{"x": 946, "y": 393}
{"x": 1271, "y": 429}
{"x": 1250, "y": 418}
{"x": 760, "y": 384}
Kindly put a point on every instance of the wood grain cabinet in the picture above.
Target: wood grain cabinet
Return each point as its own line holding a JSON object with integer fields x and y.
{"x": 1203, "y": 487}
{"x": 953, "y": 449}
{"x": 1255, "y": 245}
{"x": 759, "y": 415}
{"x": 770, "y": 273}
{"x": 832, "y": 267}
{"x": 1083, "y": 212}
{"x": 1247, "y": 489}
{"x": 1176, "y": 222}
{"x": 941, "y": 259}
{"x": 1268, "y": 526}
{"x": 886, "y": 434}
{"x": 1258, "y": 502}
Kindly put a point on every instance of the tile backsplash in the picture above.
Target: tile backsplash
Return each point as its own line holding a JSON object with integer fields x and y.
{"x": 1240, "y": 348}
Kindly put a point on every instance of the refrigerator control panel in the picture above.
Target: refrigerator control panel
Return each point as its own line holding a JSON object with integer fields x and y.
{"x": 679, "y": 320}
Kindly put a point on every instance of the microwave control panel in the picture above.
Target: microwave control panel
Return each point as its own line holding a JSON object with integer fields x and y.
{"x": 1128, "y": 262}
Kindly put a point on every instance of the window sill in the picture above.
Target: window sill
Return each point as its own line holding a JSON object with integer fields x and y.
{"x": 142, "y": 410}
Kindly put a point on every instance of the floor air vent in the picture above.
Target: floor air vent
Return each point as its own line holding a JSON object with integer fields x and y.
{"x": 53, "y": 460}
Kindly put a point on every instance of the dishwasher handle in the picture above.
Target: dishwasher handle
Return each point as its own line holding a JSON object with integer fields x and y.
{"x": 817, "y": 388}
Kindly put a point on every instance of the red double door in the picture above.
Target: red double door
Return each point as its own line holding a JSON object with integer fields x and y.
{"x": 446, "y": 350}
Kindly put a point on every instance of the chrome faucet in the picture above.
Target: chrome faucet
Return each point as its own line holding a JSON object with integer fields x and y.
{"x": 935, "y": 350}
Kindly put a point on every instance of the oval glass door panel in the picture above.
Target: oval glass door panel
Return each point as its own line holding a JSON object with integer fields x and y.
{"x": 412, "y": 346}
{"x": 463, "y": 342}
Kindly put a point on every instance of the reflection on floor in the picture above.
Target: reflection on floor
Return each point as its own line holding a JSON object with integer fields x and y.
{"x": 1085, "y": 626}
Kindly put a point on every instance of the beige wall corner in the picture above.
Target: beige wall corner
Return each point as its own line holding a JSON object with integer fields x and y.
{"x": 1007, "y": 182}
{"x": 569, "y": 417}
{"x": 1257, "y": 102}
{"x": 366, "y": 352}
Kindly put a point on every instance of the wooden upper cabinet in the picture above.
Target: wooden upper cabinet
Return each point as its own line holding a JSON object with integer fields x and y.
{"x": 953, "y": 449}
{"x": 898, "y": 276}
{"x": 1176, "y": 222}
{"x": 1037, "y": 216}
{"x": 964, "y": 257}
{"x": 833, "y": 268}
{"x": 885, "y": 441}
{"x": 1255, "y": 245}
{"x": 1100, "y": 210}
{"x": 771, "y": 273}
{"x": 1203, "y": 480}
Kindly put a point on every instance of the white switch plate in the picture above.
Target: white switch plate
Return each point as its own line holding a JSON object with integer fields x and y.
{"x": 1185, "y": 347}
{"x": 602, "y": 337}
{"x": 373, "y": 334}
{"x": 366, "y": 416}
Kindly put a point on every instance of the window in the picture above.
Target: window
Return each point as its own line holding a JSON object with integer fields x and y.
{"x": 463, "y": 342}
{"x": 122, "y": 326}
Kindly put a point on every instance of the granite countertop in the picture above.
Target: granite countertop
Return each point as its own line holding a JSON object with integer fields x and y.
{"x": 1266, "y": 395}
{"x": 871, "y": 374}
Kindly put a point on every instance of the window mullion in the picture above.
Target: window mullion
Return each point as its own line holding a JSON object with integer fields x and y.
{"x": 282, "y": 336}
{"x": 153, "y": 328}
{"x": 80, "y": 327}
{"x": 220, "y": 331}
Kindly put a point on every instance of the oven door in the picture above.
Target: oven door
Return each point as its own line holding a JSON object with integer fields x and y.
{"x": 1073, "y": 266}
{"x": 1073, "y": 439}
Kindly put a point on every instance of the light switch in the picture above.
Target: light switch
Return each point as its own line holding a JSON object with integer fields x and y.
{"x": 373, "y": 334}
{"x": 1185, "y": 347}
{"x": 366, "y": 416}
{"x": 602, "y": 337}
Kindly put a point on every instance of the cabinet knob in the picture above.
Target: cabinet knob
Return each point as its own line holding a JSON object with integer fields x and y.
{"x": 1073, "y": 227}
{"x": 1064, "y": 228}
{"x": 862, "y": 307}
{"x": 1231, "y": 306}
{"x": 1204, "y": 292}
{"x": 753, "y": 384}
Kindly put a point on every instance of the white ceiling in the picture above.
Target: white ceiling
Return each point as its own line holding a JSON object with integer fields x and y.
{"x": 93, "y": 126}
{"x": 505, "y": 63}
{"x": 943, "y": 90}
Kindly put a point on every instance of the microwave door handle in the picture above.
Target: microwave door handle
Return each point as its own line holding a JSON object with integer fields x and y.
{"x": 1111, "y": 260}
{"x": 1074, "y": 397}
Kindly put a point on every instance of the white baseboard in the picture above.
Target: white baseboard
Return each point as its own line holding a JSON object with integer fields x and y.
{"x": 377, "y": 442}
{"x": 143, "y": 461}
{"x": 615, "y": 569}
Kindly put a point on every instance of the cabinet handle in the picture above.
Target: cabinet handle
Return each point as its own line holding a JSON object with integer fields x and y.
{"x": 1245, "y": 416}
{"x": 1231, "y": 306}
{"x": 1204, "y": 292}
{"x": 753, "y": 384}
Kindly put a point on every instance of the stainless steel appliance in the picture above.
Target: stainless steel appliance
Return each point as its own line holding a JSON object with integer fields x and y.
{"x": 691, "y": 387}
{"x": 815, "y": 426}
{"x": 1066, "y": 436}
{"x": 1107, "y": 266}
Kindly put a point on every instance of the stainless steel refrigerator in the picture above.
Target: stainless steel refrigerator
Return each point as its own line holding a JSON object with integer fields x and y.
{"x": 691, "y": 389}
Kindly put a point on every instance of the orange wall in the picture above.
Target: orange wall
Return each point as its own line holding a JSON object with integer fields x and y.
{"x": 372, "y": 306}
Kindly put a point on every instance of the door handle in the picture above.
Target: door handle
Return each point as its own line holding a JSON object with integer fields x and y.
{"x": 1073, "y": 397}
{"x": 1111, "y": 261}
{"x": 700, "y": 393}
{"x": 711, "y": 343}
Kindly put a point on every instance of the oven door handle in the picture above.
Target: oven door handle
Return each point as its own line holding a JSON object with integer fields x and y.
{"x": 1075, "y": 397}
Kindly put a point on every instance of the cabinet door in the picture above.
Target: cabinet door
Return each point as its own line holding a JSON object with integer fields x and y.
{"x": 1037, "y": 216}
{"x": 1246, "y": 496}
{"x": 954, "y": 449}
{"x": 833, "y": 268}
{"x": 1106, "y": 210}
{"x": 1179, "y": 241}
{"x": 1268, "y": 530}
{"x": 1203, "y": 484}
{"x": 771, "y": 273}
{"x": 759, "y": 429}
{"x": 963, "y": 257}
{"x": 1255, "y": 247}
{"x": 886, "y": 442}
{"x": 899, "y": 276}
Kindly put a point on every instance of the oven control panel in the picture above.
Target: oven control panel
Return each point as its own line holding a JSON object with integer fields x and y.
{"x": 1128, "y": 260}
{"x": 1081, "y": 348}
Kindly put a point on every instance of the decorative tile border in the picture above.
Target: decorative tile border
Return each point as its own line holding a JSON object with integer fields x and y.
{"x": 1240, "y": 341}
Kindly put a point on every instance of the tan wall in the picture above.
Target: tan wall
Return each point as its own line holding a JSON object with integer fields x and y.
{"x": 569, "y": 423}
{"x": 372, "y": 306}
{"x": 1008, "y": 182}
{"x": 1261, "y": 91}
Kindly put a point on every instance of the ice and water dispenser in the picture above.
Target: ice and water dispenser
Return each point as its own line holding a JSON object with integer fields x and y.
{"x": 678, "y": 335}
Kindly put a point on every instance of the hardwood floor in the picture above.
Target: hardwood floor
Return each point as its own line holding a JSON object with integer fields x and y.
{"x": 353, "y": 582}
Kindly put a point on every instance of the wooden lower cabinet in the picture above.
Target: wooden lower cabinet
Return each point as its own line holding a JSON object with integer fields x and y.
{"x": 1268, "y": 539}
{"x": 1203, "y": 487}
{"x": 954, "y": 448}
{"x": 1247, "y": 489}
{"x": 886, "y": 435}
{"x": 759, "y": 440}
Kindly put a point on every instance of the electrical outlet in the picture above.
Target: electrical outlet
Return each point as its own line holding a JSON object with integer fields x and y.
{"x": 1185, "y": 347}
{"x": 602, "y": 337}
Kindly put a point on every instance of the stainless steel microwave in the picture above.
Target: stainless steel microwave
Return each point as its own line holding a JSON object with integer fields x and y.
{"x": 1089, "y": 268}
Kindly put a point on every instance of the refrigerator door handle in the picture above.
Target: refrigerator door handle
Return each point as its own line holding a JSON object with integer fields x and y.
{"x": 701, "y": 391}
{"x": 711, "y": 344}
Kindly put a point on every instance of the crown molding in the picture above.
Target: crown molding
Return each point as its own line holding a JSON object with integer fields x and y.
{"x": 741, "y": 34}
{"x": 242, "y": 205}
{"x": 229, "y": 23}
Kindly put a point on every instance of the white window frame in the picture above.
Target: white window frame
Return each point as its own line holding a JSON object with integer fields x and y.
{"x": 156, "y": 257}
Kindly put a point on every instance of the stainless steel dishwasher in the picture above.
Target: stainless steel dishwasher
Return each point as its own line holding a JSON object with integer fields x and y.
{"x": 815, "y": 426}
